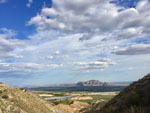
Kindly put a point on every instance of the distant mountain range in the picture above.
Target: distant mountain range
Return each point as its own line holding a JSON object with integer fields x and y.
{"x": 85, "y": 83}
{"x": 98, "y": 83}
{"x": 93, "y": 83}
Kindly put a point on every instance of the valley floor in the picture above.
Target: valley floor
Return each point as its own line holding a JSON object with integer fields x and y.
{"x": 74, "y": 102}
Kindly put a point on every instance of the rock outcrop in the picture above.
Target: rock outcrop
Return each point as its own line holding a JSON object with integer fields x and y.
{"x": 92, "y": 83}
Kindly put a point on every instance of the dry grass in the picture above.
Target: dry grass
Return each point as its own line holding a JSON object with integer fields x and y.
{"x": 82, "y": 98}
{"x": 137, "y": 109}
{"x": 13, "y": 100}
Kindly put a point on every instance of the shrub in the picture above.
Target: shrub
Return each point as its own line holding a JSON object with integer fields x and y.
{"x": 132, "y": 99}
{"x": 23, "y": 89}
{"x": 137, "y": 109}
{"x": 5, "y": 96}
{"x": 1, "y": 91}
{"x": 5, "y": 90}
{"x": 65, "y": 101}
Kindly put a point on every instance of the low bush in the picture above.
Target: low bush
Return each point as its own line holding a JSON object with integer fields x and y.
{"x": 137, "y": 109}
{"x": 1, "y": 91}
{"x": 5, "y": 96}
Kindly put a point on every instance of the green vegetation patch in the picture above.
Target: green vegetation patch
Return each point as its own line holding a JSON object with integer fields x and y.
{"x": 105, "y": 98}
{"x": 100, "y": 97}
{"x": 1, "y": 91}
{"x": 65, "y": 101}
{"x": 87, "y": 101}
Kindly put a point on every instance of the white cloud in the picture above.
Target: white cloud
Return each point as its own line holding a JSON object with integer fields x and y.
{"x": 57, "y": 52}
{"x": 54, "y": 65}
{"x": 19, "y": 67}
{"x": 137, "y": 49}
{"x": 49, "y": 57}
{"x": 66, "y": 15}
{"x": 95, "y": 17}
{"x": 7, "y": 33}
{"x": 8, "y": 44}
{"x": 26, "y": 67}
{"x": 29, "y": 3}
{"x": 98, "y": 65}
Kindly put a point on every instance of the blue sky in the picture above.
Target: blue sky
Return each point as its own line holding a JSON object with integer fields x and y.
{"x": 51, "y": 42}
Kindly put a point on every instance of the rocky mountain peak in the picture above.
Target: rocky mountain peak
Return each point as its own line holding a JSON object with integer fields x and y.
{"x": 92, "y": 83}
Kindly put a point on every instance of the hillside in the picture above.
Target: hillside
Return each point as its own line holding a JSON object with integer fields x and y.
{"x": 13, "y": 100}
{"x": 133, "y": 99}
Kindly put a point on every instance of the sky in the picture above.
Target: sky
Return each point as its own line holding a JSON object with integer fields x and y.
{"x": 45, "y": 42}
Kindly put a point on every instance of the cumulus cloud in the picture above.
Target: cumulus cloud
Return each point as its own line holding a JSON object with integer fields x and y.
{"x": 137, "y": 49}
{"x": 8, "y": 44}
{"x": 95, "y": 17}
{"x": 7, "y": 33}
{"x": 98, "y": 65}
{"x": 65, "y": 15}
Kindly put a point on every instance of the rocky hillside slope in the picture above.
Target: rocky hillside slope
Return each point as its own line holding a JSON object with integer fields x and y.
{"x": 13, "y": 100}
{"x": 133, "y": 99}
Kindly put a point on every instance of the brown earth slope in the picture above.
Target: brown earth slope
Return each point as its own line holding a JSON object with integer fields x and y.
{"x": 13, "y": 100}
{"x": 133, "y": 99}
